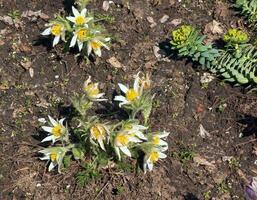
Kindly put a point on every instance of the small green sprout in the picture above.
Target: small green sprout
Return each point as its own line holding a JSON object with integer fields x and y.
{"x": 14, "y": 14}
{"x": 207, "y": 195}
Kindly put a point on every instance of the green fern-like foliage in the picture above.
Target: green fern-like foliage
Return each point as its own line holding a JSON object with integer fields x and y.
{"x": 248, "y": 8}
{"x": 188, "y": 42}
{"x": 237, "y": 63}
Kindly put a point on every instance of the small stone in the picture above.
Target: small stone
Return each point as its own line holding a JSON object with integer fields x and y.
{"x": 164, "y": 19}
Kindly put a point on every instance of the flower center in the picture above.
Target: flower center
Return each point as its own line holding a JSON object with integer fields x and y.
{"x": 53, "y": 157}
{"x": 57, "y": 130}
{"x": 96, "y": 45}
{"x": 91, "y": 89}
{"x": 154, "y": 156}
{"x": 122, "y": 139}
{"x": 131, "y": 95}
{"x": 97, "y": 131}
{"x": 156, "y": 140}
{"x": 80, "y": 20}
{"x": 82, "y": 33}
{"x": 56, "y": 29}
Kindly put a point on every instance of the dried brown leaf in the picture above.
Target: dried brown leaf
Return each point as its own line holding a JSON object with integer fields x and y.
{"x": 114, "y": 62}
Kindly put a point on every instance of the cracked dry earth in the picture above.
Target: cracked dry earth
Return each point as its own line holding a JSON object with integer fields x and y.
{"x": 37, "y": 80}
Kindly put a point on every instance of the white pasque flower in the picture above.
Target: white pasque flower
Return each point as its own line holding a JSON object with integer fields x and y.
{"x": 79, "y": 18}
{"x": 131, "y": 94}
{"x": 152, "y": 157}
{"x": 156, "y": 139}
{"x": 92, "y": 90}
{"x": 95, "y": 44}
{"x": 57, "y": 131}
{"x": 99, "y": 132}
{"x": 135, "y": 130}
{"x": 121, "y": 142}
{"x": 54, "y": 155}
{"x": 57, "y": 30}
{"x": 79, "y": 36}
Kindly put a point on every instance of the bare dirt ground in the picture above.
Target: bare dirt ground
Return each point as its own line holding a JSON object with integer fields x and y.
{"x": 37, "y": 80}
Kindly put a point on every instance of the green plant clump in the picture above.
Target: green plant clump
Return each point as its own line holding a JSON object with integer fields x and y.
{"x": 238, "y": 60}
{"x": 188, "y": 42}
{"x": 97, "y": 142}
{"x": 79, "y": 30}
{"x": 248, "y": 9}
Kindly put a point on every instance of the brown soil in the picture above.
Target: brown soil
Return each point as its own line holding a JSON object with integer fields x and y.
{"x": 181, "y": 105}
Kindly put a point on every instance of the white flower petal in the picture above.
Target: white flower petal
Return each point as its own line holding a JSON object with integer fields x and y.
{"x": 126, "y": 151}
{"x": 80, "y": 44}
{"x": 98, "y": 95}
{"x": 123, "y": 88}
{"x": 100, "y": 99}
{"x": 163, "y": 143}
{"x": 163, "y": 134}
{"x": 61, "y": 121}
{"x": 48, "y": 138}
{"x": 56, "y": 40}
{"x": 139, "y": 127}
{"x": 150, "y": 166}
{"x": 72, "y": 19}
{"x": 73, "y": 41}
{"x": 134, "y": 139}
{"x": 47, "y": 31}
{"x": 120, "y": 98}
{"x": 51, "y": 166}
{"x": 75, "y": 11}
{"x": 117, "y": 150}
{"x": 98, "y": 52}
{"x": 47, "y": 157}
{"x": 123, "y": 103}
{"x": 84, "y": 12}
{"x": 163, "y": 148}
{"x": 162, "y": 155}
{"x": 140, "y": 135}
{"x": 47, "y": 129}
{"x": 136, "y": 84}
{"x": 89, "y": 48}
{"x": 53, "y": 121}
{"x": 101, "y": 144}
{"x": 145, "y": 167}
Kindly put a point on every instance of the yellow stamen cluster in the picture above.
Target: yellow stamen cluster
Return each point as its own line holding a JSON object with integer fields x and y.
{"x": 80, "y": 20}
{"x": 154, "y": 156}
{"x": 156, "y": 140}
{"x": 96, "y": 45}
{"x": 122, "y": 139}
{"x": 91, "y": 89}
{"x": 131, "y": 95}
{"x": 98, "y": 131}
{"x": 82, "y": 34}
{"x": 53, "y": 157}
{"x": 57, "y": 130}
{"x": 56, "y": 29}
